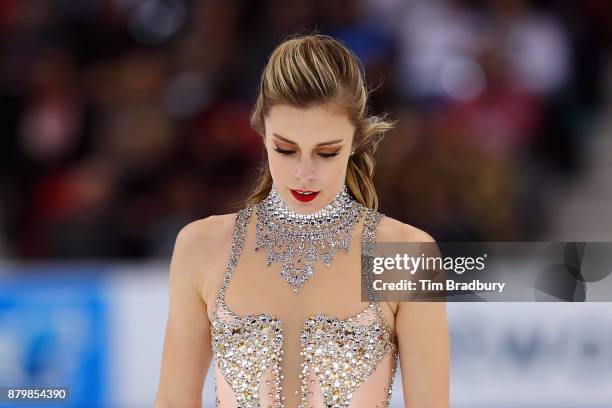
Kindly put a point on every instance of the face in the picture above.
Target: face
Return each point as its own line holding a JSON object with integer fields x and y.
{"x": 308, "y": 152}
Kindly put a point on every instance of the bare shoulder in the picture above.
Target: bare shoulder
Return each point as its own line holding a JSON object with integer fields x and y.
{"x": 206, "y": 233}
{"x": 392, "y": 230}
{"x": 198, "y": 250}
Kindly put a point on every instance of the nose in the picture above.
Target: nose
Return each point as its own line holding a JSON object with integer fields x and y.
{"x": 305, "y": 171}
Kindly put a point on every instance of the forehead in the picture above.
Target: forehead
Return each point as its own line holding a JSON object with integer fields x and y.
{"x": 311, "y": 125}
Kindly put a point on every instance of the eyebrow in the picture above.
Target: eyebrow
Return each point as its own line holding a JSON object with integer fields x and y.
{"x": 331, "y": 142}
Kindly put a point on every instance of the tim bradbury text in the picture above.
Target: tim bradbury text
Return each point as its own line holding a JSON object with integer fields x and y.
{"x": 449, "y": 285}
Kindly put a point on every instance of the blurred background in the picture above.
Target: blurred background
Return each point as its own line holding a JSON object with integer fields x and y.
{"x": 124, "y": 120}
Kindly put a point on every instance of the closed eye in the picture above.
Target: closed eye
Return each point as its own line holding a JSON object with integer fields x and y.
{"x": 289, "y": 152}
{"x": 328, "y": 155}
{"x": 283, "y": 151}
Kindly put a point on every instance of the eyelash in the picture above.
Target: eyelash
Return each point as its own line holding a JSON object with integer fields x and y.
{"x": 289, "y": 152}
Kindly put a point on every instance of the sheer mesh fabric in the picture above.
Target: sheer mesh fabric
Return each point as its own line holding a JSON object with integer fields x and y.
{"x": 322, "y": 347}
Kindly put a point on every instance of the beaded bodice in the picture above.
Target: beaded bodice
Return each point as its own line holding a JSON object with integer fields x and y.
{"x": 337, "y": 355}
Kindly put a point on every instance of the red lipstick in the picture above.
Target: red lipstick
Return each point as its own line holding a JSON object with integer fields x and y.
{"x": 304, "y": 196}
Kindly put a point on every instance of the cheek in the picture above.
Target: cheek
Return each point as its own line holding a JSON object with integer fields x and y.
{"x": 333, "y": 170}
{"x": 279, "y": 168}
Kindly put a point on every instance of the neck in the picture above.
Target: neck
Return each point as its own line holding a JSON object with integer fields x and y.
{"x": 274, "y": 201}
{"x": 300, "y": 240}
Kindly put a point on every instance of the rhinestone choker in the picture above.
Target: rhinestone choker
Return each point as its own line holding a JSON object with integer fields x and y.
{"x": 300, "y": 240}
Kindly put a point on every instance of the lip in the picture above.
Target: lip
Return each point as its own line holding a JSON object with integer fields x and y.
{"x": 304, "y": 198}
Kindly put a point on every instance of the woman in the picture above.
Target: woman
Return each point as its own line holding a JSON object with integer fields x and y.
{"x": 273, "y": 292}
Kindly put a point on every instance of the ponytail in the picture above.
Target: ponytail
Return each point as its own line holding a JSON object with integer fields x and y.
{"x": 360, "y": 171}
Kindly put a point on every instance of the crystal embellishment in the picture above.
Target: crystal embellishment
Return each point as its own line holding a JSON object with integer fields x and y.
{"x": 300, "y": 240}
{"x": 342, "y": 354}
{"x": 337, "y": 354}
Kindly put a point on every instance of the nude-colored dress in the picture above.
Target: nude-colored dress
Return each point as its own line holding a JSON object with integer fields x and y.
{"x": 318, "y": 348}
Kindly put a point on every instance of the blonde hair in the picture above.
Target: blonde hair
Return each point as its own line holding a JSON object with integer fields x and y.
{"x": 313, "y": 69}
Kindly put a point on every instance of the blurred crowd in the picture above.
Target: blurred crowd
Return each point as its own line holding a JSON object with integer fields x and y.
{"x": 123, "y": 120}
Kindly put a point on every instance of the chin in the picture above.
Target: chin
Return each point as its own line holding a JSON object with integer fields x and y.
{"x": 305, "y": 207}
{"x": 301, "y": 207}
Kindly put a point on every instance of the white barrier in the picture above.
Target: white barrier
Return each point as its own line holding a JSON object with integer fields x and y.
{"x": 503, "y": 354}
